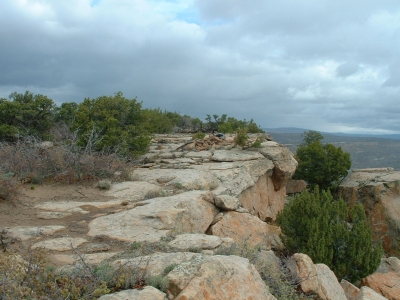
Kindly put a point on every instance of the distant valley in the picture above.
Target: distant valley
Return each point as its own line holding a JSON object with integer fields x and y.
{"x": 366, "y": 151}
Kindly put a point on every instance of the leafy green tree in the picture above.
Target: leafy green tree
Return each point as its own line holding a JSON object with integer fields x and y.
{"x": 325, "y": 229}
{"x": 111, "y": 122}
{"x": 66, "y": 113}
{"x": 321, "y": 164}
{"x": 25, "y": 114}
{"x": 156, "y": 121}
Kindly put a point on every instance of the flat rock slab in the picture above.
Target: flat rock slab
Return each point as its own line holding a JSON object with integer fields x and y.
{"x": 154, "y": 218}
{"x": 24, "y": 233}
{"x": 60, "y": 244}
{"x": 235, "y": 177}
{"x": 230, "y": 155}
{"x": 91, "y": 259}
{"x": 199, "y": 154}
{"x": 146, "y": 293}
{"x": 50, "y": 215}
{"x": 198, "y": 241}
{"x": 75, "y": 206}
{"x": 156, "y": 263}
{"x": 188, "y": 179}
{"x": 132, "y": 191}
{"x": 217, "y": 277}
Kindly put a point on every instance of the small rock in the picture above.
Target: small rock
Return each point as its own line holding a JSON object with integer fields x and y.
{"x": 60, "y": 244}
{"x": 97, "y": 248}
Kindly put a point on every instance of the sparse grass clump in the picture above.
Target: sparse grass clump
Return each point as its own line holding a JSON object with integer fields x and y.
{"x": 104, "y": 184}
{"x": 241, "y": 137}
{"x": 198, "y": 135}
{"x": 158, "y": 281}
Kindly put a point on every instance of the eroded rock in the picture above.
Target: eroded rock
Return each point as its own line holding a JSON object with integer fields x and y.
{"x": 217, "y": 277}
{"x": 146, "y": 293}
{"x": 316, "y": 279}
{"x": 188, "y": 241}
{"x": 245, "y": 227}
{"x": 155, "y": 218}
{"x": 60, "y": 244}
{"x": 378, "y": 190}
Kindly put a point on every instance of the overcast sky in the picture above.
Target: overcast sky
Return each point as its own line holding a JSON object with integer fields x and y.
{"x": 317, "y": 64}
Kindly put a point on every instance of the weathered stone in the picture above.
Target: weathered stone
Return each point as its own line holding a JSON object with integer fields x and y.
{"x": 156, "y": 263}
{"x": 60, "y": 244}
{"x": 90, "y": 259}
{"x": 378, "y": 190}
{"x": 226, "y": 202}
{"x": 350, "y": 290}
{"x": 387, "y": 284}
{"x": 49, "y": 215}
{"x": 366, "y": 293}
{"x": 284, "y": 163}
{"x": 235, "y": 177}
{"x": 230, "y": 155}
{"x": 146, "y": 293}
{"x": 390, "y": 264}
{"x": 316, "y": 279}
{"x": 132, "y": 191}
{"x": 245, "y": 227}
{"x": 262, "y": 200}
{"x": 217, "y": 277}
{"x": 188, "y": 179}
{"x": 186, "y": 212}
{"x": 199, "y": 154}
{"x": 188, "y": 241}
{"x": 24, "y": 233}
{"x": 97, "y": 248}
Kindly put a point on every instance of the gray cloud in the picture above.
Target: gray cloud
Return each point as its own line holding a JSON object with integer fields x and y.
{"x": 329, "y": 66}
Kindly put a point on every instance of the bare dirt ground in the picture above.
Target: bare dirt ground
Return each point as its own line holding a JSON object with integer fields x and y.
{"x": 23, "y": 212}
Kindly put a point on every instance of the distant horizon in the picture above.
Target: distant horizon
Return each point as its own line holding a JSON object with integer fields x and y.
{"x": 301, "y": 130}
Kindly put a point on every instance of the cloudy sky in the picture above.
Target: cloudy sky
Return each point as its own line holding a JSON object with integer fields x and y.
{"x": 317, "y": 64}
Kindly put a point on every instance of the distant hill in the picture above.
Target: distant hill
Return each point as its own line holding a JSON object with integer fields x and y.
{"x": 367, "y": 151}
{"x": 301, "y": 130}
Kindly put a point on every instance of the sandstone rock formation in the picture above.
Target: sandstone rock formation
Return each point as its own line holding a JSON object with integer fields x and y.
{"x": 378, "y": 190}
{"x": 316, "y": 279}
{"x": 188, "y": 197}
{"x": 147, "y": 293}
{"x": 386, "y": 280}
{"x": 217, "y": 277}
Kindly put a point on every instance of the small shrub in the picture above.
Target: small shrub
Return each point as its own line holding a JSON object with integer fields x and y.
{"x": 158, "y": 281}
{"x": 178, "y": 185}
{"x": 8, "y": 189}
{"x": 198, "y": 135}
{"x": 169, "y": 269}
{"x": 104, "y": 184}
{"x": 257, "y": 143}
{"x": 241, "y": 137}
{"x": 136, "y": 245}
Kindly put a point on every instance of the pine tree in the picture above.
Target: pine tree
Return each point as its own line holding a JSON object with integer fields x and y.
{"x": 325, "y": 229}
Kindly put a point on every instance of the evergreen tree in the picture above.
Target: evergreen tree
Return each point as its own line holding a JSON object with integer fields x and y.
{"x": 321, "y": 164}
{"x": 326, "y": 230}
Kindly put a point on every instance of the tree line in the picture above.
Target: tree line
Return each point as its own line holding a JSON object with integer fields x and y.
{"x": 105, "y": 122}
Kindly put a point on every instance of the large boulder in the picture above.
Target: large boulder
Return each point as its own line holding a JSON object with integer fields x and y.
{"x": 284, "y": 162}
{"x": 246, "y": 227}
{"x": 217, "y": 277}
{"x": 316, "y": 279}
{"x": 386, "y": 280}
{"x": 155, "y": 218}
{"x": 378, "y": 190}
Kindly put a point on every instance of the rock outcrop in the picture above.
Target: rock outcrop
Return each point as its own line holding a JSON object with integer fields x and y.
{"x": 217, "y": 277}
{"x": 316, "y": 279}
{"x": 378, "y": 190}
{"x": 386, "y": 280}
{"x": 187, "y": 201}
